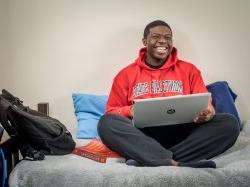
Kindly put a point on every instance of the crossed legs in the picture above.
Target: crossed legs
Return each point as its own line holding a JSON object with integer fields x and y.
{"x": 169, "y": 145}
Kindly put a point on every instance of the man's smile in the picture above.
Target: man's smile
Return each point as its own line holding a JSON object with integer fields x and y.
{"x": 161, "y": 50}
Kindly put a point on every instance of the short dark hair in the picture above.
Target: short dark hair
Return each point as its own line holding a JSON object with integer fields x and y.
{"x": 154, "y": 24}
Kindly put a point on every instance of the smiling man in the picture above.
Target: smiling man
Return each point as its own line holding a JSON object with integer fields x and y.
{"x": 158, "y": 72}
{"x": 158, "y": 41}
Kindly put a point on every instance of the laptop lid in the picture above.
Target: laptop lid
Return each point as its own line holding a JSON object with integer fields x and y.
{"x": 169, "y": 110}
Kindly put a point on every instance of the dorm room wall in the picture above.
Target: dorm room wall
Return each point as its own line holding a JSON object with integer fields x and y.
{"x": 62, "y": 46}
{"x": 4, "y": 42}
{"x": 4, "y": 47}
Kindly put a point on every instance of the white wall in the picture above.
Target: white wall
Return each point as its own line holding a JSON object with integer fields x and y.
{"x": 4, "y": 46}
{"x": 62, "y": 46}
{"x": 4, "y": 42}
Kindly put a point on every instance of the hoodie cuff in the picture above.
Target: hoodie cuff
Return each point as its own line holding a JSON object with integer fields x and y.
{"x": 125, "y": 111}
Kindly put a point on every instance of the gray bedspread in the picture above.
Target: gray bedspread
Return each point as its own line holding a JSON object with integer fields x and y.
{"x": 72, "y": 171}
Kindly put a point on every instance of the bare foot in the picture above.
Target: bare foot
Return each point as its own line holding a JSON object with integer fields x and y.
{"x": 174, "y": 163}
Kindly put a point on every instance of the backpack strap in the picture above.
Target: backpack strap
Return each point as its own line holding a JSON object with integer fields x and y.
{"x": 1, "y": 132}
{"x": 29, "y": 153}
{"x": 4, "y": 108}
{"x": 15, "y": 101}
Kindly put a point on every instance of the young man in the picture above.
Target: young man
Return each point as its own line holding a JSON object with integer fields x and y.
{"x": 158, "y": 72}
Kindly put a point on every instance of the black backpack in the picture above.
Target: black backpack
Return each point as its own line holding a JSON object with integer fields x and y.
{"x": 35, "y": 133}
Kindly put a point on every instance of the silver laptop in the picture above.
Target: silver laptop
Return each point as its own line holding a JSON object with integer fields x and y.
{"x": 168, "y": 110}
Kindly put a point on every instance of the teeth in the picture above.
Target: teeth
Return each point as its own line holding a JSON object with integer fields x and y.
{"x": 161, "y": 49}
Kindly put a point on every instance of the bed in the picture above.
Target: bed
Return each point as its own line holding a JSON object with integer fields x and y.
{"x": 72, "y": 170}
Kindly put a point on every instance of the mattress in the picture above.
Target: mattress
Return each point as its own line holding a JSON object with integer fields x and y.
{"x": 72, "y": 170}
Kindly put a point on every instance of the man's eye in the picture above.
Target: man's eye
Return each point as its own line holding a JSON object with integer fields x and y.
{"x": 155, "y": 37}
{"x": 168, "y": 38}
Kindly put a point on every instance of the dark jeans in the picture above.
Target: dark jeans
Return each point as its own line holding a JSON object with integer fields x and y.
{"x": 156, "y": 146}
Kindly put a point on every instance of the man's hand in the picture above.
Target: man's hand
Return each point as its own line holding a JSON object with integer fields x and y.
{"x": 205, "y": 115}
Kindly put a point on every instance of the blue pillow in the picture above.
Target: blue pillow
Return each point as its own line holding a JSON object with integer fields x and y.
{"x": 88, "y": 110}
{"x": 223, "y": 99}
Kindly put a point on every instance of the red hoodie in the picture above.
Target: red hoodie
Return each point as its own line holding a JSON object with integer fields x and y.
{"x": 137, "y": 81}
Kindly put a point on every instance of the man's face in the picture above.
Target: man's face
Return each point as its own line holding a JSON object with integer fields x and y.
{"x": 159, "y": 42}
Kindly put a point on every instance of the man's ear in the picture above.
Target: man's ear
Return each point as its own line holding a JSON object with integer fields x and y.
{"x": 144, "y": 41}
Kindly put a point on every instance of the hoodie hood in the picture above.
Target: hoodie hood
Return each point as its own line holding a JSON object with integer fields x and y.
{"x": 170, "y": 62}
